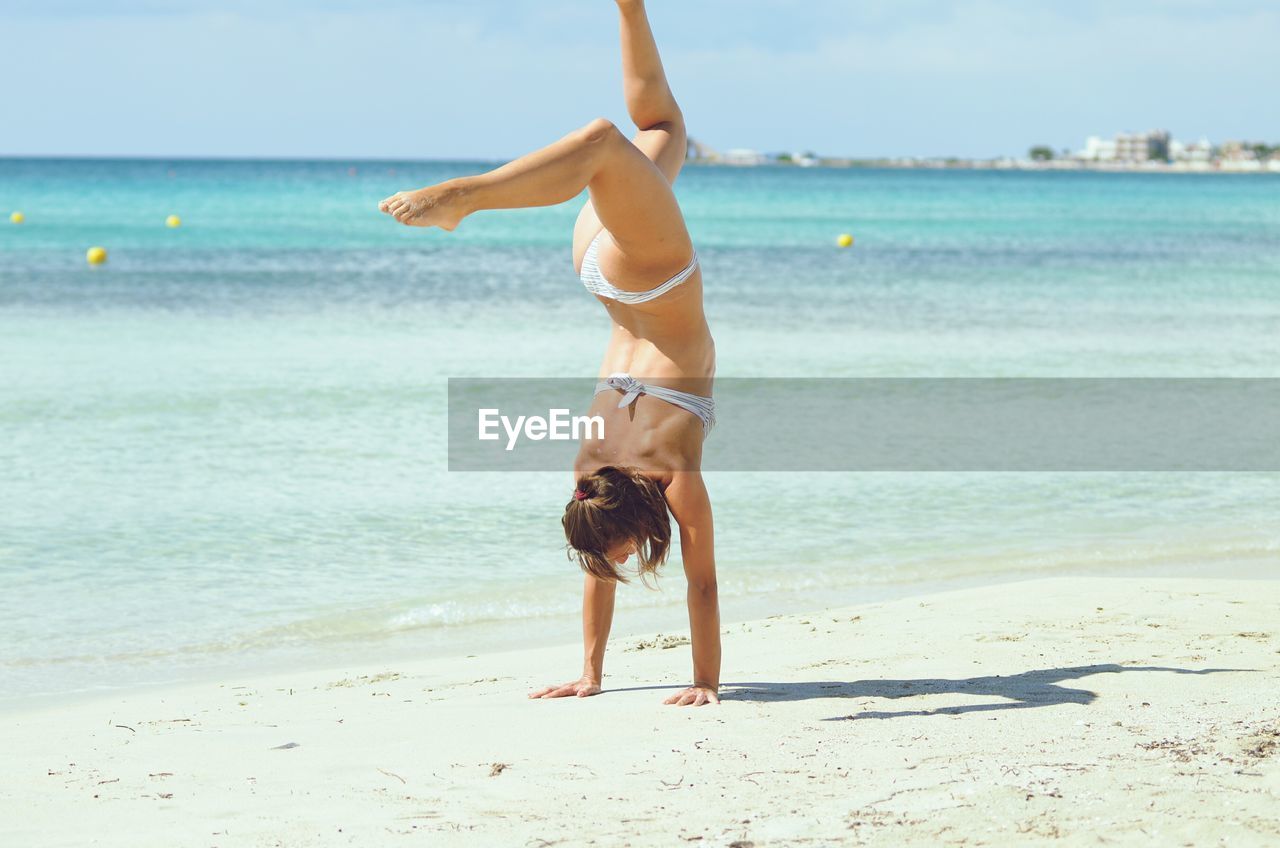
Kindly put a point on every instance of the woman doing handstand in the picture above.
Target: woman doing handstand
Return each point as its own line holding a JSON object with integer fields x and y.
{"x": 633, "y": 252}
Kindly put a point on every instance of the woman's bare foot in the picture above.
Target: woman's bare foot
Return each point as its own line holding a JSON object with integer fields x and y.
{"x": 434, "y": 206}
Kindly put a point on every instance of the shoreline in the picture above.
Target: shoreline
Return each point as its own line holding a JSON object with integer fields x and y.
{"x": 1142, "y": 710}
{"x": 559, "y": 632}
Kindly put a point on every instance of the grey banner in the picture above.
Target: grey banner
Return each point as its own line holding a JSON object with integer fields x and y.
{"x": 979, "y": 424}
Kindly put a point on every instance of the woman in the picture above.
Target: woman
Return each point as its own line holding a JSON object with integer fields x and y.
{"x": 633, "y": 253}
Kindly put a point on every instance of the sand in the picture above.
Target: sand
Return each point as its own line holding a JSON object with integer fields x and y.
{"x": 1068, "y": 711}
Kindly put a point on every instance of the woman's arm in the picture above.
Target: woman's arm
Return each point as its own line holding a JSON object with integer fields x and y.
{"x": 597, "y": 618}
{"x": 691, "y": 506}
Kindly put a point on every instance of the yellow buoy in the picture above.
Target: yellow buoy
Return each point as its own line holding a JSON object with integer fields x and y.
{"x": 845, "y": 240}
{"x": 96, "y": 255}
{"x": 17, "y": 217}
{"x": 173, "y": 221}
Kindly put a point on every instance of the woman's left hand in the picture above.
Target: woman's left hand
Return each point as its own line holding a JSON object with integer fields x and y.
{"x": 694, "y": 696}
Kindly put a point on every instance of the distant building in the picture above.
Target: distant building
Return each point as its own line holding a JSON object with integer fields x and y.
{"x": 1242, "y": 156}
{"x": 1128, "y": 147}
{"x": 1237, "y": 151}
{"x": 744, "y": 156}
{"x": 1143, "y": 147}
{"x": 1197, "y": 152}
{"x": 1098, "y": 149}
{"x": 698, "y": 152}
{"x": 1131, "y": 147}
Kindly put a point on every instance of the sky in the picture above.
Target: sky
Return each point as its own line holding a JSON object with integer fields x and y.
{"x": 491, "y": 79}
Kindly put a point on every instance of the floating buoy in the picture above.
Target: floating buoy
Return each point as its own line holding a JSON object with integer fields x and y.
{"x": 845, "y": 240}
{"x": 96, "y": 255}
{"x": 17, "y": 218}
{"x": 173, "y": 221}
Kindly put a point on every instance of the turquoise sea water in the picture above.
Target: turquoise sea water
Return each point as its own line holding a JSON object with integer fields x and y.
{"x": 224, "y": 450}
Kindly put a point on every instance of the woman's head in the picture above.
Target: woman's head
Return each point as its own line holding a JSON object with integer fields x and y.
{"x": 614, "y": 513}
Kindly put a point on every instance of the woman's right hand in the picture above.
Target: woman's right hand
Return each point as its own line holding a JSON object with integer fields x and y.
{"x": 582, "y": 687}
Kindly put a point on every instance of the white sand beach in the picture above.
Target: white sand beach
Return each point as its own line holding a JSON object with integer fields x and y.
{"x": 1072, "y": 711}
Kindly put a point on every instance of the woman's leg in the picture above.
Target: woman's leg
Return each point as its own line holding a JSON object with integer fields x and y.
{"x": 650, "y": 102}
{"x": 631, "y": 196}
{"x": 651, "y": 105}
{"x": 629, "y": 183}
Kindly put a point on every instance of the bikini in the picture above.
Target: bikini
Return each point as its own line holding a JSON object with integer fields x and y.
{"x": 631, "y": 388}
{"x": 598, "y": 285}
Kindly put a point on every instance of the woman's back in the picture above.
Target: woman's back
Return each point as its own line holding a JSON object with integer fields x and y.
{"x": 665, "y": 333}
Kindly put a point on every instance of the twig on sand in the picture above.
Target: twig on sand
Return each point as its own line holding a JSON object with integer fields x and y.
{"x": 747, "y": 776}
{"x": 893, "y": 795}
{"x": 127, "y": 727}
{"x": 392, "y": 774}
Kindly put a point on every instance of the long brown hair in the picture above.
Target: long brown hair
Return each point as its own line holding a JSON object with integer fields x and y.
{"x": 612, "y": 506}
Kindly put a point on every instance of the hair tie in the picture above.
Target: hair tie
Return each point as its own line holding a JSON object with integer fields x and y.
{"x": 579, "y": 495}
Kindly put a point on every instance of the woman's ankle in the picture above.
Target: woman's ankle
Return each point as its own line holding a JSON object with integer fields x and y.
{"x": 461, "y": 194}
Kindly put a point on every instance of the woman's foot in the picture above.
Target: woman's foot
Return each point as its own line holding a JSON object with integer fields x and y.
{"x": 434, "y": 206}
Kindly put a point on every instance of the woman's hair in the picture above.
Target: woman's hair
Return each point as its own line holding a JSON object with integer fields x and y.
{"x": 611, "y": 507}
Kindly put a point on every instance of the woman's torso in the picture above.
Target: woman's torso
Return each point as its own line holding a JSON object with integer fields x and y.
{"x": 665, "y": 342}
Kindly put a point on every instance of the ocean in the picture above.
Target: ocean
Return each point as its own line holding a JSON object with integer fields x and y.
{"x": 223, "y": 452}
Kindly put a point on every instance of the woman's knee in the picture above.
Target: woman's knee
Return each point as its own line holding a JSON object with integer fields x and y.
{"x": 600, "y": 133}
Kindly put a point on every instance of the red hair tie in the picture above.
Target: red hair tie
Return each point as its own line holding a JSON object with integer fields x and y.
{"x": 579, "y": 495}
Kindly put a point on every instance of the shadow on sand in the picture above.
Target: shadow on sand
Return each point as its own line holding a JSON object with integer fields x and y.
{"x": 1039, "y": 688}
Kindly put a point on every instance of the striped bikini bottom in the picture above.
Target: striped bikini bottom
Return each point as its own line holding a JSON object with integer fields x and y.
{"x": 631, "y": 388}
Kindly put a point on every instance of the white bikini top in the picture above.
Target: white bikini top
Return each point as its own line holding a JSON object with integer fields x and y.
{"x": 598, "y": 285}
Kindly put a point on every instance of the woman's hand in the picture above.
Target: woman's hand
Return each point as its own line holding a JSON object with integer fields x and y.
{"x": 582, "y": 687}
{"x": 695, "y": 696}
